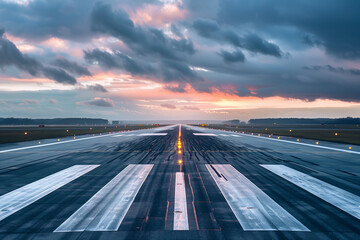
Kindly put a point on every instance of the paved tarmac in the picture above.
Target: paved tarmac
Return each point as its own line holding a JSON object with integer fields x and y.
{"x": 131, "y": 185}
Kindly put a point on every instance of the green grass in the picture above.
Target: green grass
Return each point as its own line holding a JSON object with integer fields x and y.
{"x": 345, "y": 134}
{"x": 17, "y": 133}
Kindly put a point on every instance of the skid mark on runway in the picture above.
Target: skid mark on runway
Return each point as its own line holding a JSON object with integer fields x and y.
{"x": 253, "y": 208}
{"x": 342, "y": 199}
{"x": 107, "y": 208}
{"x": 180, "y": 210}
{"x": 26, "y": 195}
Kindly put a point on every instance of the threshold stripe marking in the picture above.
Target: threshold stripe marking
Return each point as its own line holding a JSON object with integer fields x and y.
{"x": 338, "y": 197}
{"x": 20, "y": 198}
{"x": 180, "y": 210}
{"x": 252, "y": 207}
{"x": 153, "y": 134}
{"x": 107, "y": 208}
{"x": 204, "y": 134}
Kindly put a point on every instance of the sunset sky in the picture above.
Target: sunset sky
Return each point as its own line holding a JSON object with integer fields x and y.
{"x": 179, "y": 59}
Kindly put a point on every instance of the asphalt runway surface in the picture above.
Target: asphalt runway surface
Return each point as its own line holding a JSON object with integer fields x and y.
{"x": 179, "y": 182}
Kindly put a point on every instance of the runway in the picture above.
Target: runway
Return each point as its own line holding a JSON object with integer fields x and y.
{"x": 132, "y": 185}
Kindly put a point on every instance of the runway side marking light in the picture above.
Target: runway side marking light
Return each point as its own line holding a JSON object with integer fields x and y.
{"x": 297, "y": 140}
{"x": 67, "y": 130}
{"x": 290, "y": 130}
{"x": 336, "y": 134}
{"x": 349, "y": 148}
{"x": 25, "y": 133}
{"x": 278, "y": 137}
{"x": 58, "y": 140}
{"x": 317, "y": 143}
{"x": 39, "y": 142}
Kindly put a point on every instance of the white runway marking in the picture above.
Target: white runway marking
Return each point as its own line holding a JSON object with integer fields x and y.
{"x": 153, "y": 134}
{"x": 252, "y": 207}
{"x": 107, "y": 208}
{"x": 342, "y": 199}
{"x": 305, "y": 144}
{"x": 235, "y": 135}
{"x": 180, "y": 210}
{"x": 28, "y": 194}
{"x": 224, "y": 135}
{"x": 120, "y": 135}
{"x": 204, "y": 134}
{"x": 49, "y": 144}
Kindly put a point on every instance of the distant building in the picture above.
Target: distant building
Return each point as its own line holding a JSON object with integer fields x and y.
{"x": 115, "y": 122}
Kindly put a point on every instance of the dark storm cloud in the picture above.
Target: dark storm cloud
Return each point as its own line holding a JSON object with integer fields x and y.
{"x": 180, "y": 88}
{"x": 305, "y": 85}
{"x": 250, "y": 41}
{"x": 71, "y": 67}
{"x": 179, "y": 71}
{"x": 333, "y": 23}
{"x": 96, "y": 88}
{"x": 100, "y": 102}
{"x": 144, "y": 41}
{"x": 65, "y": 19}
{"x": 231, "y": 57}
{"x": 118, "y": 60}
{"x": 169, "y": 70}
{"x": 352, "y": 71}
{"x": 58, "y": 75}
{"x": 10, "y": 55}
{"x": 311, "y": 87}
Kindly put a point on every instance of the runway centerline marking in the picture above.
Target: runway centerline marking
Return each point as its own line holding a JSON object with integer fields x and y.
{"x": 204, "y": 134}
{"x": 180, "y": 210}
{"x": 253, "y": 208}
{"x": 107, "y": 208}
{"x": 338, "y": 197}
{"x": 20, "y": 198}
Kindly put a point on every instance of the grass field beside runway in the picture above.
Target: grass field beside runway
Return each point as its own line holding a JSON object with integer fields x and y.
{"x": 339, "y": 133}
{"x": 9, "y": 134}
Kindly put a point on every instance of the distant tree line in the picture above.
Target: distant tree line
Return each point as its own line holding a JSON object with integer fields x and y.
{"x": 266, "y": 121}
{"x": 54, "y": 121}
